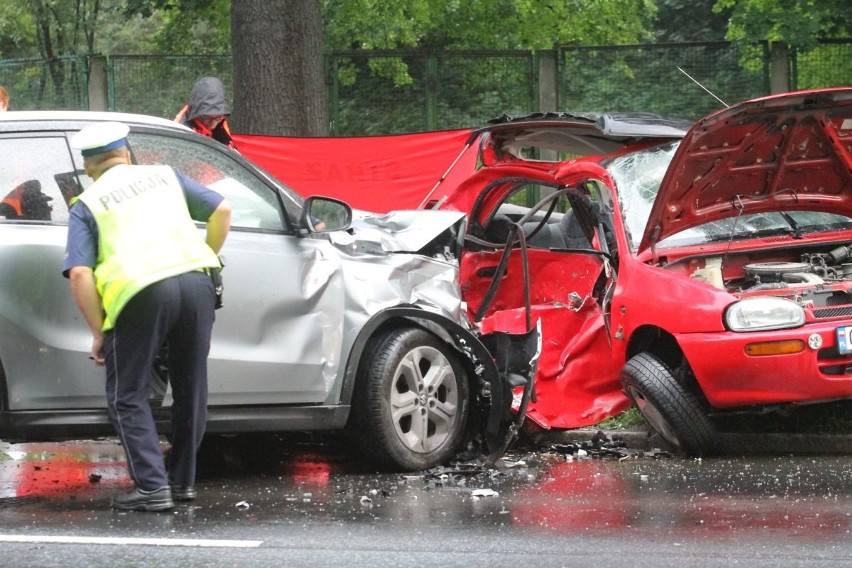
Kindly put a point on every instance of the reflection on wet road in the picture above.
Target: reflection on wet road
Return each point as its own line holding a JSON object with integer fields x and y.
{"x": 252, "y": 490}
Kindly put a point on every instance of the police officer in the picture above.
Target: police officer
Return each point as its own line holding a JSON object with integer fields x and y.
{"x": 137, "y": 265}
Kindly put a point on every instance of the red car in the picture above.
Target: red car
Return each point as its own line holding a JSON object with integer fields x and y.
{"x": 691, "y": 277}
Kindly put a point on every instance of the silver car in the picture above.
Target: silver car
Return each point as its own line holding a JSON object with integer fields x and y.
{"x": 332, "y": 319}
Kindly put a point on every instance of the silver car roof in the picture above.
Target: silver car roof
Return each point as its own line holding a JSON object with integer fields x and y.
{"x": 46, "y": 116}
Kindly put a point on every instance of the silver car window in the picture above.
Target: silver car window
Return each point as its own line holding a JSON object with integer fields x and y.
{"x": 38, "y": 184}
{"x": 255, "y": 204}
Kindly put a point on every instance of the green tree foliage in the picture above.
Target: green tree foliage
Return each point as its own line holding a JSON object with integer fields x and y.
{"x": 799, "y": 23}
{"x": 197, "y": 27}
{"x": 120, "y": 33}
{"x": 61, "y": 27}
{"x": 485, "y": 24}
{"x": 17, "y": 30}
{"x": 803, "y": 25}
{"x": 690, "y": 20}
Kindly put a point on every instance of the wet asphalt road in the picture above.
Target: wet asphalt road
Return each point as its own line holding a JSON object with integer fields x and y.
{"x": 307, "y": 502}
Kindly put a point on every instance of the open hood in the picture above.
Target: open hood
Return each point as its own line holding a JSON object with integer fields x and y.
{"x": 784, "y": 152}
{"x": 580, "y": 134}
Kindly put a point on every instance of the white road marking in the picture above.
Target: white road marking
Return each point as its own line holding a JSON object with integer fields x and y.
{"x": 140, "y": 541}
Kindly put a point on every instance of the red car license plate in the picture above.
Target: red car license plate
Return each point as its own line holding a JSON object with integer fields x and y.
{"x": 844, "y": 339}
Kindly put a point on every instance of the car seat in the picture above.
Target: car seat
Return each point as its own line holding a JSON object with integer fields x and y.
{"x": 572, "y": 232}
{"x": 498, "y": 229}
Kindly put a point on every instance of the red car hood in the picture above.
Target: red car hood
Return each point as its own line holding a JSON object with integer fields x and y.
{"x": 783, "y": 152}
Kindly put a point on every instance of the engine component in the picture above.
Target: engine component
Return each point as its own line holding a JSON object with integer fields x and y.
{"x": 839, "y": 254}
{"x": 778, "y": 272}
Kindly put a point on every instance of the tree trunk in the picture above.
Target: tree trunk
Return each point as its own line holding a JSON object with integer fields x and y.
{"x": 279, "y": 85}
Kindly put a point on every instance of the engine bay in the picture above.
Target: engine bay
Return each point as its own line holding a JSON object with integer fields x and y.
{"x": 814, "y": 277}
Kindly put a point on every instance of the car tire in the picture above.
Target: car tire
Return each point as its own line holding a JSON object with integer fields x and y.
{"x": 670, "y": 410}
{"x": 412, "y": 401}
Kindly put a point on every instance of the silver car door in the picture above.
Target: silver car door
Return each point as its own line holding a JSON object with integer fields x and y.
{"x": 44, "y": 342}
{"x": 273, "y": 342}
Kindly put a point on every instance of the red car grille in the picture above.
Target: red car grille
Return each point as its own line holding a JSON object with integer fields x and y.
{"x": 834, "y": 312}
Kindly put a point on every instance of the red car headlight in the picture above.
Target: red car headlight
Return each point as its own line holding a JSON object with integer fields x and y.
{"x": 759, "y": 314}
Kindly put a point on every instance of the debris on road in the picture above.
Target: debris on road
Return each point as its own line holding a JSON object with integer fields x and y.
{"x": 604, "y": 446}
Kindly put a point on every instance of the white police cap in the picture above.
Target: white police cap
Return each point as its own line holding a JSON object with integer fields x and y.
{"x": 100, "y": 137}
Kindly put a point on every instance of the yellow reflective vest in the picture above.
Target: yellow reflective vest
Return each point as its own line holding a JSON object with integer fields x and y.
{"x": 145, "y": 233}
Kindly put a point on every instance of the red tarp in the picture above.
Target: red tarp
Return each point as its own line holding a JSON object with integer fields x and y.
{"x": 375, "y": 173}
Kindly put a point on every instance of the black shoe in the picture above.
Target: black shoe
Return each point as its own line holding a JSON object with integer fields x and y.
{"x": 183, "y": 493}
{"x": 141, "y": 500}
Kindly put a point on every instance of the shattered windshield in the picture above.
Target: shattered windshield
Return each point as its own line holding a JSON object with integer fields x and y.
{"x": 638, "y": 176}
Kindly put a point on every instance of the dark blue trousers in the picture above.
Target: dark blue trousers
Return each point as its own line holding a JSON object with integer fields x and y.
{"x": 177, "y": 311}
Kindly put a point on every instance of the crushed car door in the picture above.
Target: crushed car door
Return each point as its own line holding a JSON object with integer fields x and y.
{"x": 569, "y": 276}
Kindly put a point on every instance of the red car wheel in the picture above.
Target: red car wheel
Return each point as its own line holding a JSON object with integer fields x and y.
{"x": 668, "y": 408}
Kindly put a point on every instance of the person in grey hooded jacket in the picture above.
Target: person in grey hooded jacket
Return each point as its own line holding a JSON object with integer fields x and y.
{"x": 207, "y": 111}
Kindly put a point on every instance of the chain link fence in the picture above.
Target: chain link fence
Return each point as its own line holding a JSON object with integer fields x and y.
{"x": 404, "y": 91}
{"x": 676, "y": 80}
{"x": 159, "y": 85}
{"x": 385, "y": 92}
{"x": 830, "y": 64}
{"x": 35, "y": 84}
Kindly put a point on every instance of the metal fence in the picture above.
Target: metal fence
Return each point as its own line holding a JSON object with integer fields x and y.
{"x": 678, "y": 80}
{"x": 829, "y": 64}
{"x": 159, "y": 85}
{"x": 372, "y": 92}
{"x": 404, "y": 91}
{"x": 35, "y": 84}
